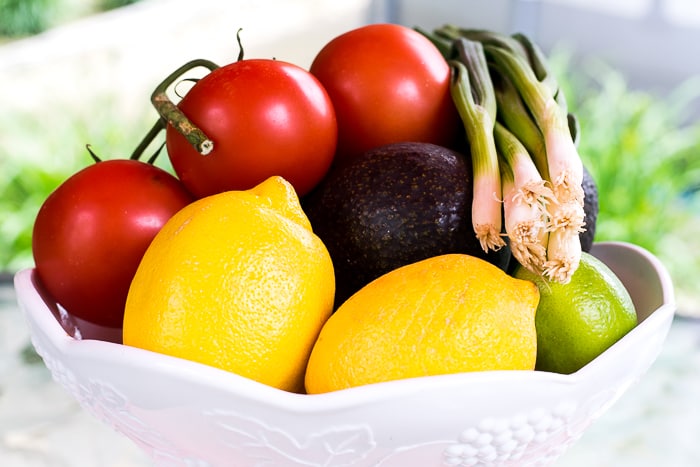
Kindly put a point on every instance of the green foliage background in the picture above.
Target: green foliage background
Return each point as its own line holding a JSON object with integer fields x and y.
{"x": 20, "y": 18}
{"x": 39, "y": 151}
{"x": 24, "y": 17}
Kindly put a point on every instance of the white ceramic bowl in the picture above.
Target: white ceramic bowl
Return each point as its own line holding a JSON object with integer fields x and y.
{"x": 187, "y": 414}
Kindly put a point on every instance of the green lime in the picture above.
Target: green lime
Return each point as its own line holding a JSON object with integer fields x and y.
{"x": 579, "y": 320}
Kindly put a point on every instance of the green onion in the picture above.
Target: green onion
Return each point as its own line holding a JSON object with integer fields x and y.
{"x": 564, "y": 164}
{"x": 564, "y": 248}
{"x": 515, "y": 116}
{"x": 439, "y": 40}
{"x": 540, "y": 68}
{"x": 540, "y": 170}
{"x": 472, "y": 92}
{"x": 485, "y": 37}
{"x": 526, "y": 198}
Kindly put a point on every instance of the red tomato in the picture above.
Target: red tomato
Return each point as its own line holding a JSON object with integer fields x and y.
{"x": 91, "y": 232}
{"x": 265, "y": 117}
{"x": 388, "y": 83}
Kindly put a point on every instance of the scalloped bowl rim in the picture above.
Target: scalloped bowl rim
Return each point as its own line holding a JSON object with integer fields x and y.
{"x": 37, "y": 310}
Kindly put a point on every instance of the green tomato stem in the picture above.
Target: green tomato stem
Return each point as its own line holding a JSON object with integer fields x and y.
{"x": 157, "y": 127}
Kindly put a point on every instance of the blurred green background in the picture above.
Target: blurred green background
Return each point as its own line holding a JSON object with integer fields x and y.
{"x": 38, "y": 150}
{"x": 21, "y": 18}
{"x": 641, "y": 147}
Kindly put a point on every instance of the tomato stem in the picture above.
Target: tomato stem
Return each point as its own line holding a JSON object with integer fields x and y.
{"x": 171, "y": 114}
{"x": 240, "y": 45}
{"x": 148, "y": 139}
{"x": 152, "y": 159}
{"x": 94, "y": 156}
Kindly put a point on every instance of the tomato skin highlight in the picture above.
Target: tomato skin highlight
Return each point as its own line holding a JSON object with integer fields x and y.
{"x": 91, "y": 232}
{"x": 265, "y": 117}
{"x": 388, "y": 84}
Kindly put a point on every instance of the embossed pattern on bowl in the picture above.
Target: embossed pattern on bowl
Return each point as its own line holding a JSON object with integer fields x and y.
{"x": 187, "y": 414}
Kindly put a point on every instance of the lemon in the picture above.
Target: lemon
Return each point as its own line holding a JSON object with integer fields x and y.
{"x": 579, "y": 320}
{"x": 237, "y": 281}
{"x": 446, "y": 314}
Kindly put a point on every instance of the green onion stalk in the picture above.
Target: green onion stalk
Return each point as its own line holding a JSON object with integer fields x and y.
{"x": 564, "y": 166}
{"x": 526, "y": 200}
{"x": 484, "y": 36}
{"x": 472, "y": 92}
{"x": 568, "y": 218}
{"x": 563, "y": 161}
{"x": 564, "y": 248}
{"x": 515, "y": 116}
{"x": 565, "y": 219}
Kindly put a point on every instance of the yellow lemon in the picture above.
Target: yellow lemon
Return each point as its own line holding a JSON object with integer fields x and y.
{"x": 579, "y": 320}
{"x": 446, "y": 314}
{"x": 237, "y": 281}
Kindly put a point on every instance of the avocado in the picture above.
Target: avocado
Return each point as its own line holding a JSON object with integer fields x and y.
{"x": 395, "y": 205}
{"x": 590, "y": 208}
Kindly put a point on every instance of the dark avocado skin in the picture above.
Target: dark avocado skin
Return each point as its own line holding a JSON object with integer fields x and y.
{"x": 590, "y": 207}
{"x": 392, "y": 206}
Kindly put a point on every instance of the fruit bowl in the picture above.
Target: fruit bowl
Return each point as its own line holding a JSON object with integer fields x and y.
{"x": 187, "y": 414}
